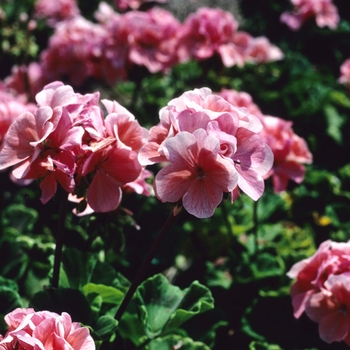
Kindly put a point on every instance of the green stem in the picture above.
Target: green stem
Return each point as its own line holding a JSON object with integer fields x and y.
{"x": 256, "y": 223}
{"x": 147, "y": 260}
{"x": 59, "y": 237}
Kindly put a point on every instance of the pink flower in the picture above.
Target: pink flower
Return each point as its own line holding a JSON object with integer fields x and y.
{"x": 134, "y": 4}
{"x": 345, "y": 73}
{"x": 234, "y": 128}
{"x": 205, "y": 32}
{"x": 324, "y": 11}
{"x": 197, "y": 174}
{"x": 311, "y": 274}
{"x": 110, "y": 169}
{"x": 44, "y": 330}
{"x": 290, "y": 152}
{"x": 152, "y": 39}
{"x": 331, "y": 309}
{"x": 74, "y": 51}
{"x": 56, "y": 10}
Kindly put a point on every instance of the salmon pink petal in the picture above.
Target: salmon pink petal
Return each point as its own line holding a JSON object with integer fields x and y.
{"x": 250, "y": 182}
{"x": 334, "y": 327}
{"x": 48, "y": 187}
{"x": 79, "y": 339}
{"x": 104, "y": 193}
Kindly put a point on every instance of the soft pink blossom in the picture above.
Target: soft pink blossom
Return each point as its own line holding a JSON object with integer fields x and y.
{"x": 205, "y": 32}
{"x": 44, "y": 330}
{"x": 235, "y": 129}
{"x": 345, "y": 73}
{"x": 324, "y": 12}
{"x": 290, "y": 152}
{"x": 197, "y": 174}
{"x": 331, "y": 308}
{"x": 74, "y": 51}
{"x": 56, "y": 10}
{"x": 134, "y": 4}
{"x": 311, "y": 274}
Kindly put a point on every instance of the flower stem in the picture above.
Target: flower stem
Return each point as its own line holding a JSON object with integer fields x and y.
{"x": 59, "y": 237}
{"x": 147, "y": 260}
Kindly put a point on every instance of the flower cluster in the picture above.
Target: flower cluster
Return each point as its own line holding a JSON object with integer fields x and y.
{"x": 290, "y": 150}
{"x": 324, "y": 12}
{"x": 67, "y": 140}
{"x": 322, "y": 290}
{"x": 44, "y": 330}
{"x": 213, "y": 148}
{"x": 56, "y": 11}
{"x": 213, "y": 31}
{"x": 112, "y": 48}
{"x": 134, "y": 4}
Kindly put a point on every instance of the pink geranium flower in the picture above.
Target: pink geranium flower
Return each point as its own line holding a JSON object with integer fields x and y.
{"x": 324, "y": 11}
{"x": 345, "y": 73}
{"x": 290, "y": 152}
{"x": 235, "y": 129}
{"x": 310, "y": 274}
{"x": 197, "y": 174}
{"x": 331, "y": 309}
{"x": 56, "y": 10}
{"x": 134, "y": 4}
{"x": 44, "y": 330}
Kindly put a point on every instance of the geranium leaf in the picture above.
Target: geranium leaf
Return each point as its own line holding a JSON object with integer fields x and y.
{"x": 164, "y": 307}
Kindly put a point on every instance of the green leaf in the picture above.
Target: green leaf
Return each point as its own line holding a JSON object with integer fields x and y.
{"x": 164, "y": 307}
{"x": 105, "y": 327}
{"x": 19, "y": 217}
{"x": 77, "y": 268}
{"x": 257, "y": 345}
{"x": 335, "y": 122}
{"x": 9, "y": 297}
{"x": 108, "y": 294}
{"x": 172, "y": 341}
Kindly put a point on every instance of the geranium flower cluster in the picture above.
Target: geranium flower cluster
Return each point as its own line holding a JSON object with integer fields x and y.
{"x": 110, "y": 49}
{"x": 324, "y": 12}
{"x": 44, "y": 330}
{"x": 134, "y": 4}
{"x": 290, "y": 150}
{"x": 213, "y": 148}
{"x": 68, "y": 141}
{"x": 322, "y": 290}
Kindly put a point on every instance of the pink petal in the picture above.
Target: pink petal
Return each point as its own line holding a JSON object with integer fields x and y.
{"x": 104, "y": 193}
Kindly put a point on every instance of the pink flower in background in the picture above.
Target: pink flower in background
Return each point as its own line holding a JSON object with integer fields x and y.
{"x": 152, "y": 39}
{"x": 345, "y": 73}
{"x": 197, "y": 174}
{"x": 44, "y": 330}
{"x": 331, "y": 309}
{"x": 56, "y": 10}
{"x": 134, "y": 4}
{"x": 290, "y": 152}
{"x": 322, "y": 290}
{"x": 214, "y": 31}
{"x": 331, "y": 258}
{"x": 204, "y": 32}
{"x": 324, "y": 12}
{"x": 74, "y": 51}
